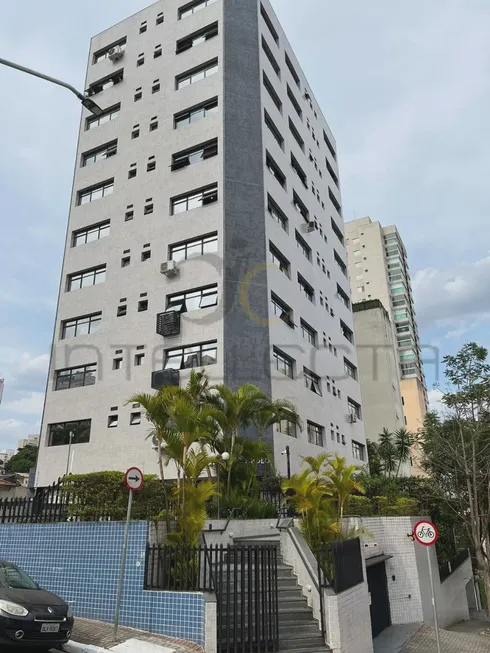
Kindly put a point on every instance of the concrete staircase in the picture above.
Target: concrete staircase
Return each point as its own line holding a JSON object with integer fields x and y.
{"x": 299, "y": 631}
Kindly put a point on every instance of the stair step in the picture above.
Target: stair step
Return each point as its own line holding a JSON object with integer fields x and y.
{"x": 299, "y": 629}
{"x": 308, "y": 646}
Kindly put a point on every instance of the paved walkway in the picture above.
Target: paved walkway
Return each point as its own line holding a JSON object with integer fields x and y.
{"x": 424, "y": 641}
{"x": 100, "y": 634}
{"x": 393, "y": 638}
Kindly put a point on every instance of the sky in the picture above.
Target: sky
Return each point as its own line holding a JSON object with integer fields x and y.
{"x": 405, "y": 88}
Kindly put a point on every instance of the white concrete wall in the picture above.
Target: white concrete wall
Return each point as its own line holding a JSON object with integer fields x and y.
{"x": 349, "y": 621}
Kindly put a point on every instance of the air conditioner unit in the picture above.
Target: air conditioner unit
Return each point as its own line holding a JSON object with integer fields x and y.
{"x": 115, "y": 53}
{"x": 169, "y": 268}
{"x": 168, "y": 324}
{"x": 309, "y": 227}
{"x": 352, "y": 418}
{"x": 161, "y": 378}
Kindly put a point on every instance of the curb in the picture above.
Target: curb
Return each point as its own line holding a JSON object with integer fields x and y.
{"x": 76, "y": 647}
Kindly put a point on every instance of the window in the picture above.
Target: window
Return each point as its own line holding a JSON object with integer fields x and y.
{"x": 405, "y": 342}
{"x": 81, "y": 326}
{"x": 196, "y": 38}
{"x": 105, "y": 83}
{"x": 360, "y": 289}
{"x": 96, "y": 192}
{"x": 353, "y": 408}
{"x": 62, "y": 433}
{"x": 270, "y": 89}
{"x": 296, "y": 135}
{"x": 337, "y": 231}
{"x": 270, "y": 56}
{"x": 192, "y": 300}
{"x": 275, "y": 170}
{"x": 117, "y": 363}
{"x": 306, "y": 289}
{"x": 138, "y": 359}
{"x": 112, "y": 421}
{"x": 340, "y": 263}
{"x": 350, "y": 369}
{"x": 409, "y": 355}
{"x": 90, "y": 277}
{"x": 195, "y": 155}
{"x": 138, "y": 95}
{"x": 408, "y": 369}
{"x": 286, "y": 427}
{"x": 195, "y": 113}
{"x": 343, "y": 296}
{"x": 157, "y": 52}
{"x": 269, "y": 24}
{"x": 315, "y": 433}
{"x": 142, "y": 305}
{"x": 146, "y": 255}
{"x": 195, "y": 247}
{"x": 293, "y": 72}
{"x": 274, "y": 130}
{"x": 122, "y": 310}
{"x": 193, "y": 7}
{"x": 312, "y": 381}
{"x": 159, "y": 19}
{"x": 195, "y": 199}
{"x": 276, "y": 213}
{"x": 129, "y": 215}
{"x": 135, "y": 418}
{"x": 109, "y": 114}
{"x": 196, "y": 74}
{"x": 100, "y": 55}
{"x": 283, "y": 363}
{"x": 156, "y": 86}
{"x": 136, "y": 132}
{"x": 358, "y": 451}
{"x": 153, "y": 125}
{"x": 300, "y": 207}
{"x": 299, "y": 171}
{"x": 192, "y": 356}
{"x": 89, "y": 234}
{"x": 75, "y": 377}
{"x": 303, "y": 246}
{"x": 140, "y": 60}
{"x": 143, "y": 27}
{"x": 334, "y": 201}
{"x": 282, "y": 310}
{"x": 329, "y": 145}
{"x": 346, "y": 332}
{"x": 294, "y": 102}
{"x": 402, "y": 328}
{"x": 308, "y": 333}
{"x": 103, "y": 152}
{"x": 332, "y": 173}
{"x": 278, "y": 259}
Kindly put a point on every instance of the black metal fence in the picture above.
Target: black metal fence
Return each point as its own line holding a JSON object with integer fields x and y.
{"x": 244, "y": 579}
{"x": 447, "y": 568}
{"x": 50, "y": 504}
{"x": 340, "y": 565}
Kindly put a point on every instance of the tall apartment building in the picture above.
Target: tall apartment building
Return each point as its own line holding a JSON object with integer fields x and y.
{"x": 378, "y": 269}
{"x": 205, "y": 230}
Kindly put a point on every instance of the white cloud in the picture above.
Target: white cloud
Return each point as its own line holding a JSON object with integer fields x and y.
{"x": 453, "y": 297}
{"x": 30, "y": 403}
{"x": 11, "y": 424}
{"x": 435, "y": 403}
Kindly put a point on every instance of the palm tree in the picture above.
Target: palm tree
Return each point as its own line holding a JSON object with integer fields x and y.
{"x": 403, "y": 443}
{"x": 317, "y": 464}
{"x": 387, "y": 452}
{"x": 344, "y": 482}
{"x": 236, "y": 409}
{"x": 275, "y": 411}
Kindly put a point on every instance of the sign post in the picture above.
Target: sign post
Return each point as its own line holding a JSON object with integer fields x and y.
{"x": 133, "y": 480}
{"x": 426, "y": 533}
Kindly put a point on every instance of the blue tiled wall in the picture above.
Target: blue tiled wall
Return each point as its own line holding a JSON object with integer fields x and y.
{"x": 80, "y": 562}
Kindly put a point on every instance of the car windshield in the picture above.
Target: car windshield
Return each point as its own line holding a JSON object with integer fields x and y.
{"x": 13, "y": 577}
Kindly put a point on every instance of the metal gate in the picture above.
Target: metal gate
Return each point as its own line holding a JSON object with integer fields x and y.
{"x": 380, "y": 602}
{"x": 244, "y": 579}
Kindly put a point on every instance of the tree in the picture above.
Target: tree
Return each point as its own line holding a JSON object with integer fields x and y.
{"x": 403, "y": 444}
{"x": 456, "y": 448}
{"x": 22, "y": 461}
{"x": 392, "y": 450}
{"x": 344, "y": 482}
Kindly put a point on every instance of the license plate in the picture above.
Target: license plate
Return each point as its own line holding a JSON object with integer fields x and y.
{"x": 50, "y": 628}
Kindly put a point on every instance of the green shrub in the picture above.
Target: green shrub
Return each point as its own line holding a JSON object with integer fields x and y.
{"x": 401, "y": 507}
{"x": 103, "y": 494}
{"x": 359, "y": 506}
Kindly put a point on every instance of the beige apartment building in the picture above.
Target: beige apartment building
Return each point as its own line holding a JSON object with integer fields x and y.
{"x": 378, "y": 270}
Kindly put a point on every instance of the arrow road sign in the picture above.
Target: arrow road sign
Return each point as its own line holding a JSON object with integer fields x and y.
{"x": 133, "y": 479}
{"x": 425, "y": 532}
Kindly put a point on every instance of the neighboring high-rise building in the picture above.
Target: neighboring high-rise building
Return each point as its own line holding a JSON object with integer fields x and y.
{"x": 378, "y": 269}
{"x": 379, "y": 373}
{"x": 206, "y": 231}
{"x": 30, "y": 441}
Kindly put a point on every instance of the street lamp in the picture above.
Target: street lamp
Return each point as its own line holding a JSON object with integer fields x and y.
{"x": 86, "y": 101}
{"x": 70, "y": 441}
{"x": 288, "y": 459}
{"x": 224, "y": 457}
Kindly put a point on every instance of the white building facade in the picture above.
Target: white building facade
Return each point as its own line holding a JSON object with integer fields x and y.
{"x": 213, "y": 159}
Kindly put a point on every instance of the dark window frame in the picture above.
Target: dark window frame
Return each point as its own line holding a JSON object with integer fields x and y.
{"x": 88, "y": 371}
{"x": 75, "y": 322}
{"x": 273, "y": 129}
{"x": 206, "y": 195}
{"x": 69, "y": 427}
{"x": 269, "y": 87}
{"x": 315, "y": 433}
{"x": 200, "y": 35}
{"x": 294, "y": 102}
{"x": 111, "y": 113}
{"x": 296, "y": 135}
{"x": 269, "y": 24}
{"x": 99, "y": 227}
{"x": 292, "y": 70}
{"x": 283, "y": 363}
{"x": 179, "y": 301}
{"x": 209, "y": 106}
{"x": 195, "y": 350}
{"x": 270, "y": 57}
{"x": 186, "y": 157}
{"x": 197, "y": 70}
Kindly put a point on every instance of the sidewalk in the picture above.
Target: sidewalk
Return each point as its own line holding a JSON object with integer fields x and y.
{"x": 98, "y": 635}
